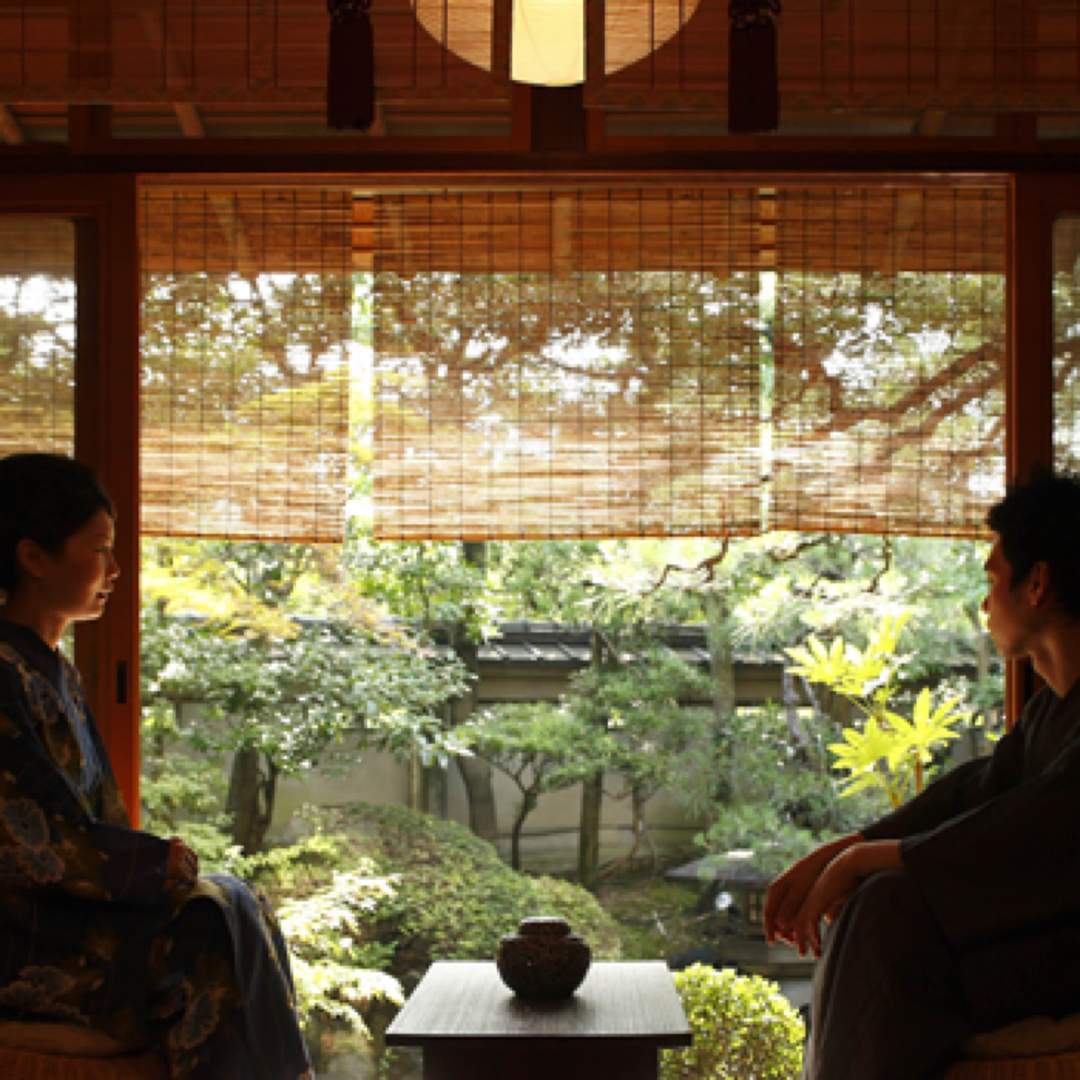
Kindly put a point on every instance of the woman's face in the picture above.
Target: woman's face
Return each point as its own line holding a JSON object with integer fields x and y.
{"x": 77, "y": 581}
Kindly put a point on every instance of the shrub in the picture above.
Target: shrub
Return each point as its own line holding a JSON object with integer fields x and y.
{"x": 295, "y": 870}
{"x": 743, "y": 1027}
{"x": 479, "y": 898}
{"x": 343, "y": 997}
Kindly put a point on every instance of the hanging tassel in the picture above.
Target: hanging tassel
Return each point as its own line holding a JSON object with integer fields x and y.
{"x": 350, "y": 76}
{"x": 753, "y": 91}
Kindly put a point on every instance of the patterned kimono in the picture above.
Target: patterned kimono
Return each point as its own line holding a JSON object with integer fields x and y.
{"x": 88, "y": 934}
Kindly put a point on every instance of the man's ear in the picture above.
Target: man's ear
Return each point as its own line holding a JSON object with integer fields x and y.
{"x": 30, "y": 557}
{"x": 1040, "y": 587}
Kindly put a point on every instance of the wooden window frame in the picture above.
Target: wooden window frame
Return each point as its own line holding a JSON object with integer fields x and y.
{"x": 105, "y": 208}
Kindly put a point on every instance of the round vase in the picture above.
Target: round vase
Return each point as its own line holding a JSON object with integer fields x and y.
{"x": 543, "y": 961}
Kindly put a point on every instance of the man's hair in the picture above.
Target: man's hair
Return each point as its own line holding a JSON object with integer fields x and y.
{"x": 1039, "y": 521}
{"x": 45, "y": 498}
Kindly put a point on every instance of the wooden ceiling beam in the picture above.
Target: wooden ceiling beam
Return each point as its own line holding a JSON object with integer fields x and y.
{"x": 487, "y": 162}
{"x": 10, "y": 129}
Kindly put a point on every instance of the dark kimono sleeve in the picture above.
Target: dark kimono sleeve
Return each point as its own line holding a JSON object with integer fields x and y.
{"x": 49, "y": 839}
{"x": 1010, "y": 863}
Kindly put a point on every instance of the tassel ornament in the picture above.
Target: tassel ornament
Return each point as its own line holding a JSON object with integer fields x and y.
{"x": 350, "y": 77}
{"x": 753, "y": 83}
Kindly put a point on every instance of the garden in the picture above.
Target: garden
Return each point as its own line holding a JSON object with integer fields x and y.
{"x": 265, "y": 662}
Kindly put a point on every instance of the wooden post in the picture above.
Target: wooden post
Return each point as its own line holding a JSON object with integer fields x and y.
{"x": 107, "y": 437}
{"x": 1029, "y": 405}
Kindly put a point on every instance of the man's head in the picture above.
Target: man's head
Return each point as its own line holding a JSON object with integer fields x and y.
{"x": 1038, "y": 538}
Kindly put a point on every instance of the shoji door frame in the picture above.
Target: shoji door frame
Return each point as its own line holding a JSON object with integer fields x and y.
{"x": 106, "y": 426}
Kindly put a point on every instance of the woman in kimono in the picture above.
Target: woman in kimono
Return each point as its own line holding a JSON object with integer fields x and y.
{"x": 100, "y": 924}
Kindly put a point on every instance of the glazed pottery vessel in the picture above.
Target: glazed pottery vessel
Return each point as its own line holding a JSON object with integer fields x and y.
{"x": 543, "y": 961}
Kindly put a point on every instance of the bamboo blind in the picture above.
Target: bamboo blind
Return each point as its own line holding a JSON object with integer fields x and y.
{"x": 708, "y": 361}
{"x": 37, "y": 334}
{"x": 974, "y": 55}
{"x": 137, "y": 51}
{"x": 245, "y": 362}
{"x": 565, "y": 364}
{"x": 889, "y": 409}
{"x": 1066, "y": 364}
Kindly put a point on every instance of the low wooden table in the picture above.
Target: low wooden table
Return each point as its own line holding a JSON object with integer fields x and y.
{"x": 471, "y": 1027}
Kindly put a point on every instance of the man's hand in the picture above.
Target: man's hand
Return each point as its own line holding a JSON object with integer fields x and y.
{"x": 789, "y": 891}
{"x": 181, "y": 867}
{"x": 835, "y": 884}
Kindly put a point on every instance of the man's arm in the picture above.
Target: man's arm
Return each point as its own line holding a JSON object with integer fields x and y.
{"x": 835, "y": 884}
{"x": 798, "y": 899}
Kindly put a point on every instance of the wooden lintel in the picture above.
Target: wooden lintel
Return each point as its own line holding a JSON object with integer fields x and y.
{"x": 10, "y": 130}
{"x": 190, "y": 121}
{"x": 396, "y": 161}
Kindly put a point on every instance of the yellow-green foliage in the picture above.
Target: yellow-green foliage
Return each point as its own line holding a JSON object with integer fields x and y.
{"x": 743, "y": 1027}
{"x": 888, "y": 752}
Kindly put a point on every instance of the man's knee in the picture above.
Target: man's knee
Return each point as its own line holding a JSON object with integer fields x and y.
{"x": 888, "y": 894}
{"x": 886, "y": 917}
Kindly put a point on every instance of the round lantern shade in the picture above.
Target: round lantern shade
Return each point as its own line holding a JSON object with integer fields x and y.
{"x": 548, "y": 36}
{"x": 547, "y": 42}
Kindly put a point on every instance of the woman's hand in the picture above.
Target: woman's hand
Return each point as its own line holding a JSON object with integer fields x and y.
{"x": 181, "y": 867}
{"x": 789, "y": 891}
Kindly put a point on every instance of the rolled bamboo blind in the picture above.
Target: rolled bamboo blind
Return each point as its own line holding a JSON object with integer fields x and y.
{"x": 566, "y": 364}
{"x": 710, "y": 361}
{"x": 889, "y": 339}
{"x": 37, "y": 334}
{"x": 966, "y": 55}
{"x": 246, "y": 324}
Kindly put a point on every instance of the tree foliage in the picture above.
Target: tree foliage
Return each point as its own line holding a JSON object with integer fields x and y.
{"x": 286, "y": 675}
{"x": 541, "y": 747}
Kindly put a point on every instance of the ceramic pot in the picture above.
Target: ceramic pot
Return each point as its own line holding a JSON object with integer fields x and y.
{"x": 543, "y": 961}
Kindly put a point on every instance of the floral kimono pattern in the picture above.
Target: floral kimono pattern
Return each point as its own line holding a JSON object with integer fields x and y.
{"x": 88, "y": 934}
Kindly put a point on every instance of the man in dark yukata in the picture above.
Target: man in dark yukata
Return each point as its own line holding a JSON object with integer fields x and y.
{"x": 960, "y": 911}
